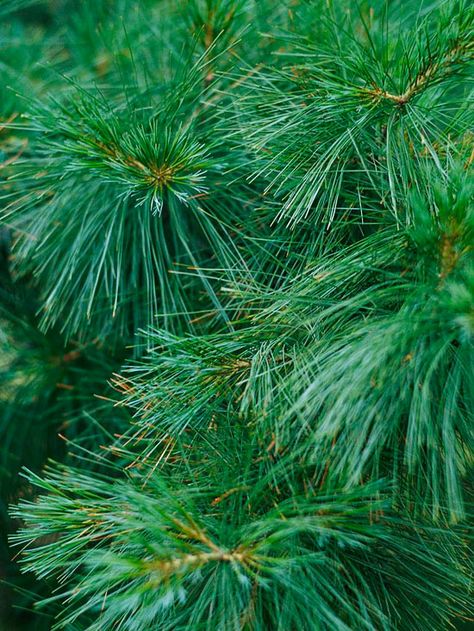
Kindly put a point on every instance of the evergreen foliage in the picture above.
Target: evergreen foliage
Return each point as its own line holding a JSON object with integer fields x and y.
{"x": 237, "y": 314}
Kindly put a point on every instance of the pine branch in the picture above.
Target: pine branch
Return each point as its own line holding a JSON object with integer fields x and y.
{"x": 103, "y": 540}
{"x": 272, "y": 203}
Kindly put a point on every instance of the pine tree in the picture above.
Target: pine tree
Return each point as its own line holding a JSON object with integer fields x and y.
{"x": 237, "y": 314}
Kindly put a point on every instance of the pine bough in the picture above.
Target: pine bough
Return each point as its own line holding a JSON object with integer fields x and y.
{"x": 264, "y": 212}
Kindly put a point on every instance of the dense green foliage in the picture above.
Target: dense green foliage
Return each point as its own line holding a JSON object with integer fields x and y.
{"x": 236, "y": 314}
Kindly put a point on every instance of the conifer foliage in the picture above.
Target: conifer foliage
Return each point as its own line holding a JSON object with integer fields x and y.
{"x": 237, "y": 314}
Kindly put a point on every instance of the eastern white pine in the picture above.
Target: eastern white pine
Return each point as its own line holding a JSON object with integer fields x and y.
{"x": 236, "y": 315}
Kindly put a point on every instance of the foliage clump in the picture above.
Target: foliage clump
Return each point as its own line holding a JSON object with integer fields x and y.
{"x": 237, "y": 282}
